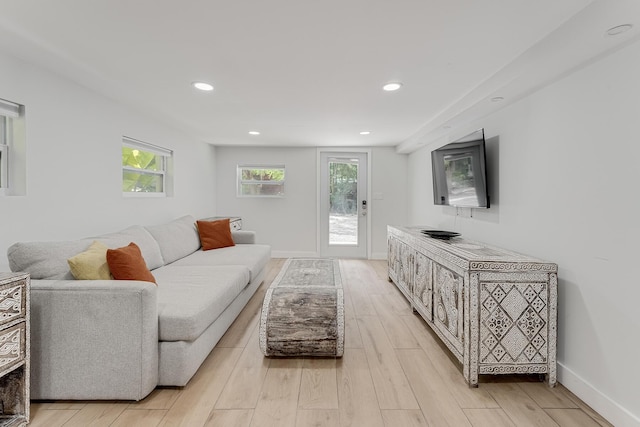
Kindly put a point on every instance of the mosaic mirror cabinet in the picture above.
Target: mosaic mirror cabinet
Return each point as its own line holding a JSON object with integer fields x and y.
{"x": 496, "y": 310}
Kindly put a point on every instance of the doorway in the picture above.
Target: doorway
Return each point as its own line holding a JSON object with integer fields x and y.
{"x": 343, "y": 204}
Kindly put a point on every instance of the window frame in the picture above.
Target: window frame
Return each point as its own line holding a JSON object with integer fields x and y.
{"x": 4, "y": 166}
{"x": 164, "y": 155}
{"x": 8, "y": 112}
{"x": 240, "y": 182}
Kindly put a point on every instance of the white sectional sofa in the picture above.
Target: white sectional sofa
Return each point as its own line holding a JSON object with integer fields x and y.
{"x": 119, "y": 339}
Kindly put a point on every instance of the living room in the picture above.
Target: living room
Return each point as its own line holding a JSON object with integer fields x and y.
{"x": 561, "y": 160}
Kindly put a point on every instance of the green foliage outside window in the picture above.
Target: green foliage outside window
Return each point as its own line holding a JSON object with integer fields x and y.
{"x": 262, "y": 174}
{"x": 343, "y": 188}
{"x": 256, "y": 181}
{"x": 142, "y": 171}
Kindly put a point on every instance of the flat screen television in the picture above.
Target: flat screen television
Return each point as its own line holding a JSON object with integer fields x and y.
{"x": 460, "y": 173}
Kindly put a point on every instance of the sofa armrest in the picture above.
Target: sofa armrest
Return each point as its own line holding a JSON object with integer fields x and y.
{"x": 243, "y": 236}
{"x": 93, "y": 339}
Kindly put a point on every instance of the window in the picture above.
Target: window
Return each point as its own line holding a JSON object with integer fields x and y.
{"x": 144, "y": 168}
{"x": 260, "y": 181}
{"x": 8, "y": 113}
{"x": 4, "y": 153}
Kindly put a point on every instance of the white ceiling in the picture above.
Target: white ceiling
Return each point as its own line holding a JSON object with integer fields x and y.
{"x": 309, "y": 73}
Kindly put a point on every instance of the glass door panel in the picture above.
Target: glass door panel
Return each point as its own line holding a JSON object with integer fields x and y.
{"x": 343, "y": 204}
{"x": 343, "y": 201}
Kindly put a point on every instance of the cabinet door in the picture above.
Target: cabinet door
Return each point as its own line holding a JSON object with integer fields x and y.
{"x": 405, "y": 257}
{"x": 447, "y": 305}
{"x": 423, "y": 286}
{"x": 392, "y": 259}
{"x": 514, "y": 323}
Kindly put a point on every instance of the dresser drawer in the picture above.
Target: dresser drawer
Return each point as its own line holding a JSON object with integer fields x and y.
{"x": 12, "y": 346}
{"x": 13, "y": 301}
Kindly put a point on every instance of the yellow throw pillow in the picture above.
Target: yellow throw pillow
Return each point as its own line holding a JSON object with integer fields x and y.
{"x": 91, "y": 264}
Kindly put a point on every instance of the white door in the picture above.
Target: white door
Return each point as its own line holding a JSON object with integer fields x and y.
{"x": 343, "y": 204}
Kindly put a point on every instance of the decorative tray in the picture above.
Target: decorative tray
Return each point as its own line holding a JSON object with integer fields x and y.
{"x": 440, "y": 234}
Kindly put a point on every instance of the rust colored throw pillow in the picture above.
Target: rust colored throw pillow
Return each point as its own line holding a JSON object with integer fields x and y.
{"x": 127, "y": 263}
{"x": 215, "y": 234}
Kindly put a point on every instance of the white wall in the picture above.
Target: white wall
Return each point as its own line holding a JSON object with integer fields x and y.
{"x": 289, "y": 224}
{"x": 74, "y": 177}
{"x": 389, "y": 196}
{"x": 564, "y": 171}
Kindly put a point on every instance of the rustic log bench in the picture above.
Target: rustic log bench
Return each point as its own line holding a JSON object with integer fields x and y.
{"x": 303, "y": 310}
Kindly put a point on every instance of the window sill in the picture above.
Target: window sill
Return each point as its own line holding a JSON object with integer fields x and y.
{"x": 252, "y": 196}
{"x": 134, "y": 194}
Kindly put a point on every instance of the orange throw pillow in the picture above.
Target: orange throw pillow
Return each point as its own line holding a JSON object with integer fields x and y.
{"x": 215, "y": 234}
{"x": 127, "y": 263}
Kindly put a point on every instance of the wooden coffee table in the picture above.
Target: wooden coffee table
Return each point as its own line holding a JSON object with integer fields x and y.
{"x": 303, "y": 310}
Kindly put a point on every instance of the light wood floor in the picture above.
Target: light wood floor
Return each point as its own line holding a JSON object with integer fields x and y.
{"x": 394, "y": 373}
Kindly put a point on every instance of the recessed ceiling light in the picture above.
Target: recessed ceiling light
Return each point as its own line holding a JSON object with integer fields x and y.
{"x": 202, "y": 86}
{"x": 619, "y": 29}
{"x": 390, "y": 87}
{"x": 365, "y": 132}
{"x": 497, "y": 99}
{"x": 254, "y": 132}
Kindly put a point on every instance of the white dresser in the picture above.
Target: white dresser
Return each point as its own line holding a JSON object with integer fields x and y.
{"x": 496, "y": 310}
{"x": 14, "y": 349}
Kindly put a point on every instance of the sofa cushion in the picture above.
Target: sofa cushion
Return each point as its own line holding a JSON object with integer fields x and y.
{"x": 190, "y": 298}
{"x": 45, "y": 260}
{"x": 243, "y": 237}
{"x": 215, "y": 234}
{"x": 141, "y": 237}
{"x": 91, "y": 264}
{"x": 254, "y": 257}
{"x": 177, "y": 238}
{"x": 127, "y": 263}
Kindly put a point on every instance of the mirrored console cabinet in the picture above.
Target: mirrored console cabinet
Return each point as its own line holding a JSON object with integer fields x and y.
{"x": 496, "y": 310}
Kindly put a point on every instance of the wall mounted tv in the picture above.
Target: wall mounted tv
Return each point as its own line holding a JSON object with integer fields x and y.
{"x": 460, "y": 173}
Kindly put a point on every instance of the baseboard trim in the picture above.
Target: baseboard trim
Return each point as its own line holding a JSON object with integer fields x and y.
{"x": 294, "y": 254}
{"x": 311, "y": 254}
{"x": 609, "y": 409}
